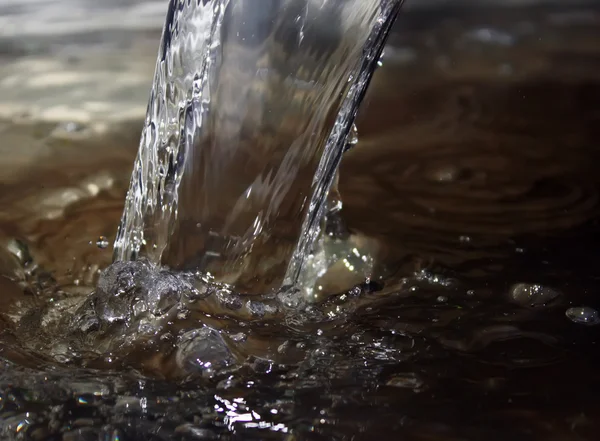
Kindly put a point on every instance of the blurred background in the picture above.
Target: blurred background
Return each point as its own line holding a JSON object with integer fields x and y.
{"x": 67, "y": 59}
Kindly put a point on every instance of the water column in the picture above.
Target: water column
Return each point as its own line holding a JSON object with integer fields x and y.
{"x": 250, "y": 108}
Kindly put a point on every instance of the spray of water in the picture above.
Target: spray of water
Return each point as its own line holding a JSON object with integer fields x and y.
{"x": 249, "y": 114}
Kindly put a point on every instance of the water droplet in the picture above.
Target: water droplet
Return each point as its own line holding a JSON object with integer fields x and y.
{"x": 352, "y": 139}
{"x": 102, "y": 242}
{"x": 533, "y": 295}
{"x": 380, "y": 61}
{"x": 583, "y": 315}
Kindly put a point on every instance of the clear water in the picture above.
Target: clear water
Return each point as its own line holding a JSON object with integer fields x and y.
{"x": 248, "y": 116}
{"x": 474, "y": 189}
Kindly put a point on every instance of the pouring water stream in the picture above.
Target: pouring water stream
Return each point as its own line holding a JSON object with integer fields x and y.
{"x": 247, "y": 121}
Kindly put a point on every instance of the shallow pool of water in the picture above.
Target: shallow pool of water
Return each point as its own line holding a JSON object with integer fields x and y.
{"x": 474, "y": 187}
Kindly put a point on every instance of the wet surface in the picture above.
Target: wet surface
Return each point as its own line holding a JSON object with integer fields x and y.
{"x": 475, "y": 176}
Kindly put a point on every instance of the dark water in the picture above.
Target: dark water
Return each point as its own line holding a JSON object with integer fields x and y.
{"x": 475, "y": 188}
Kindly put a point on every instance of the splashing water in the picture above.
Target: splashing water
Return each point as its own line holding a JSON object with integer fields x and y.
{"x": 484, "y": 332}
{"x": 244, "y": 132}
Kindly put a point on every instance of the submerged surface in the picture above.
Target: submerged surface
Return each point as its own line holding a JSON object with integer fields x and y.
{"x": 475, "y": 188}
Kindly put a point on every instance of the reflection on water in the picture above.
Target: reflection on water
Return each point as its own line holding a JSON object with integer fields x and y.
{"x": 475, "y": 188}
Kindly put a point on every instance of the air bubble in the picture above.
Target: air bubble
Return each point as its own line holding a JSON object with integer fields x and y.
{"x": 583, "y": 315}
{"x": 532, "y": 295}
{"x": 203, "y": 351}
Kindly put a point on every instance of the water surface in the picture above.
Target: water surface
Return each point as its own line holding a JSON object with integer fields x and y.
{"x": 474, "y": 187}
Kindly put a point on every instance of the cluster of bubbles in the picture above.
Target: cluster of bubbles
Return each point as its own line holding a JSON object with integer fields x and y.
{"x": 535, "y": 296}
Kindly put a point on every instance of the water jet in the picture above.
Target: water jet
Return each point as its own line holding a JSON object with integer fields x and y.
{"x": 248, "y": 117}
